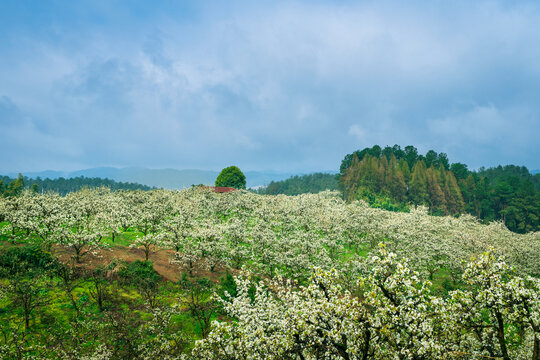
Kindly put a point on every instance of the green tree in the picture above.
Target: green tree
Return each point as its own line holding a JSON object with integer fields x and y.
{"x": 395, "y": 182}
{"x": 15, "y": 187}
{"x": 350, "y": 178}
{"x": 411, "y": 155}
{"x": 522, "y": 215}
{"x": 442, "y": 159}
{"x": 405, "y": 170}
{"x": 418, "y": 192}
{"x": 460, "y": 170}
{"x": 232, "y": 177}
{"x": 452, "y": 194}
{"x": 431, "y": 159}
{"x": 144, "y": 277}
{"x": 468, "y": 191}
{"x": 436, "y": 198}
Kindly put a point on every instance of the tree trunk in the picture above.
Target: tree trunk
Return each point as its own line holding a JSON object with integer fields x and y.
{"x": 500, "y": 335}
{"x": 26, "y": 320}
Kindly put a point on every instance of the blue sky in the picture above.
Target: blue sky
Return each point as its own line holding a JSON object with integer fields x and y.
{"x": 280, "y": 85}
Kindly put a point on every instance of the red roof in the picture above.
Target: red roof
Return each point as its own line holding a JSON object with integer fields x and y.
{"x": 222, "y": 189}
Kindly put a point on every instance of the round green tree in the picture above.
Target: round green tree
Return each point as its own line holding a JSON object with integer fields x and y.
{"x": 232, "y": 177}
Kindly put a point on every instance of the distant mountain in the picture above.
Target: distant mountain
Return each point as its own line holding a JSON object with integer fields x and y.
{"x": 537, "y": 171}
{"x": 161, "y": 178}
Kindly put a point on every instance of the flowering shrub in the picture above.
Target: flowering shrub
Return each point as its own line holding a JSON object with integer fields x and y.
{"x": 330, "y": 290}
{"x": 396, "y": 317}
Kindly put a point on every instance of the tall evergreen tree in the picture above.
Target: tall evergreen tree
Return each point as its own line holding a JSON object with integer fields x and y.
{"x": 436, "y": 198}
{"x": 405, "y": 170}
{"x": 350, "y": 178}
{"x": 418, "y": 185}
{"x": 454, "y": 199}
{"x": 431, "y": 159}
{"x": 522, "y": 215}
{"x": 411, "y": 155}
{"x": 395, "y": 182}
{"x": 15, "y": 187}
{"x": 468, "y": 191}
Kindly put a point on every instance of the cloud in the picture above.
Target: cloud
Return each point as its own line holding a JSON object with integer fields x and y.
{"x": 479, "y": 125}
{"x": 25, "y": 146}
{"x": 279, "y": 85}
{"x": 356, "y": 131}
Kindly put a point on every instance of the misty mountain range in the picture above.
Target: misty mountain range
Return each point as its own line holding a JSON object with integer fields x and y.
{"x": 161, "y": 178}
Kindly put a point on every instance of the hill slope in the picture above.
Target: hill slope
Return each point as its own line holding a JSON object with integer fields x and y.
{"x": 161, "y": 178}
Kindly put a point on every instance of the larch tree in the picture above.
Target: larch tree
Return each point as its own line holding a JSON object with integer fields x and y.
{"x": 418, "y": 186}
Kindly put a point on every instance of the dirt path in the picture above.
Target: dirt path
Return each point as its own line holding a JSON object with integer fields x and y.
{"x": 160, "y": 258}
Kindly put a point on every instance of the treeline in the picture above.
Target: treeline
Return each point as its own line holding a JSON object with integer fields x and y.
{"x": 62, "y": 186}
{"x": 296, "y": 185}
{"x": 393, "y": 178}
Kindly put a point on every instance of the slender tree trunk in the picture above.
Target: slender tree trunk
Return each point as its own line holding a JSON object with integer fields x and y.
{"x": 77, "y": 254}
{"x": 73, "y": 302}
{"x": 500, "y": 335}
{"x": 146, "y": 252}
{"x": 26, "y": 320}
{"x": 365, "y": 350}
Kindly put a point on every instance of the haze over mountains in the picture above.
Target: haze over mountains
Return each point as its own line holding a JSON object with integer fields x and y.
{"x": 161, "y": 178}
{"x": 166, "y": 178}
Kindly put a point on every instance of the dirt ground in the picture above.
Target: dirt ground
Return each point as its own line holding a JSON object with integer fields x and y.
{"x": 159, "y": 257}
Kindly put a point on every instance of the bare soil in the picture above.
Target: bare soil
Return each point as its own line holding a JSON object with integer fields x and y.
{"x": 159, "y": 257}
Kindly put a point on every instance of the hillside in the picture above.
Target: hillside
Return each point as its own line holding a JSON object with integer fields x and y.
{"x": 135, "y": 274}
{"x": 62, "y": 186}
{"x": 301, "y": 184}
{"x": 394, "y": 178}
{"x": 160, "y": 178}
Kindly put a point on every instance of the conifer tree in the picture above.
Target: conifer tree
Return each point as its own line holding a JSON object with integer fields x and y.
{"x": 405, "y": 170}
{"x": 468, "y": 191}
{"x": 454, "y": 199}
{"x": 418, "y": 185}
{"x": 382, "y": 173}
{"x": 350, "y": 179}
{"x": 395, "y": 181}
{"x": 370, "y": 174}
{"x": 436, "y": 201}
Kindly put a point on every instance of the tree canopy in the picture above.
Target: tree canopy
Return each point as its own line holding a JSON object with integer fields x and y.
{"x": 393, "y": 178}
{"x": 231, "y": 177}
{"x": 62, "y": 186}
{"x": 296, "y": 185}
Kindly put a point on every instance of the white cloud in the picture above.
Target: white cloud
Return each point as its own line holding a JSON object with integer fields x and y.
{"x": 358, "y": 133}
{"x": 280, "y": 85}
{"x": 479, "y": 125}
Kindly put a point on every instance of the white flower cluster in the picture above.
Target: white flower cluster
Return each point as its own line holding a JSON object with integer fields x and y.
{"x": 270, "y": 233}
{"x": 394, "y": 317}
{"x": 351, "y": 308}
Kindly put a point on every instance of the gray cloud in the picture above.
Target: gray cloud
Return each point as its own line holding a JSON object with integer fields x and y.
{"x": 291, "y": 87}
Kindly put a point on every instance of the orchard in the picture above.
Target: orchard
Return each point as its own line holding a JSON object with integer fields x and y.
{"x": 314, "y": 278}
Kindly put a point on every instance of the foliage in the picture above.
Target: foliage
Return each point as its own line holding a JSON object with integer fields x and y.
{"x": 396, "y": 317}
{"x": 231, "y": 177}
{"x": 143, "y": 276}
{"x": 325, "y": 279}
{"x": 296, "y": 185}
{"x": 508, "y": 193}
{"x": 62, "y": 185}
{"x": 25, "y": 259}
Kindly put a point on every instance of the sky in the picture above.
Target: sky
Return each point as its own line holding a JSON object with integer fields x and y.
{"x": 289, "y": 86}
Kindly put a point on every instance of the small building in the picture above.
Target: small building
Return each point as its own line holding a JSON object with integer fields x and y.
{"x": 221, "y": 189}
